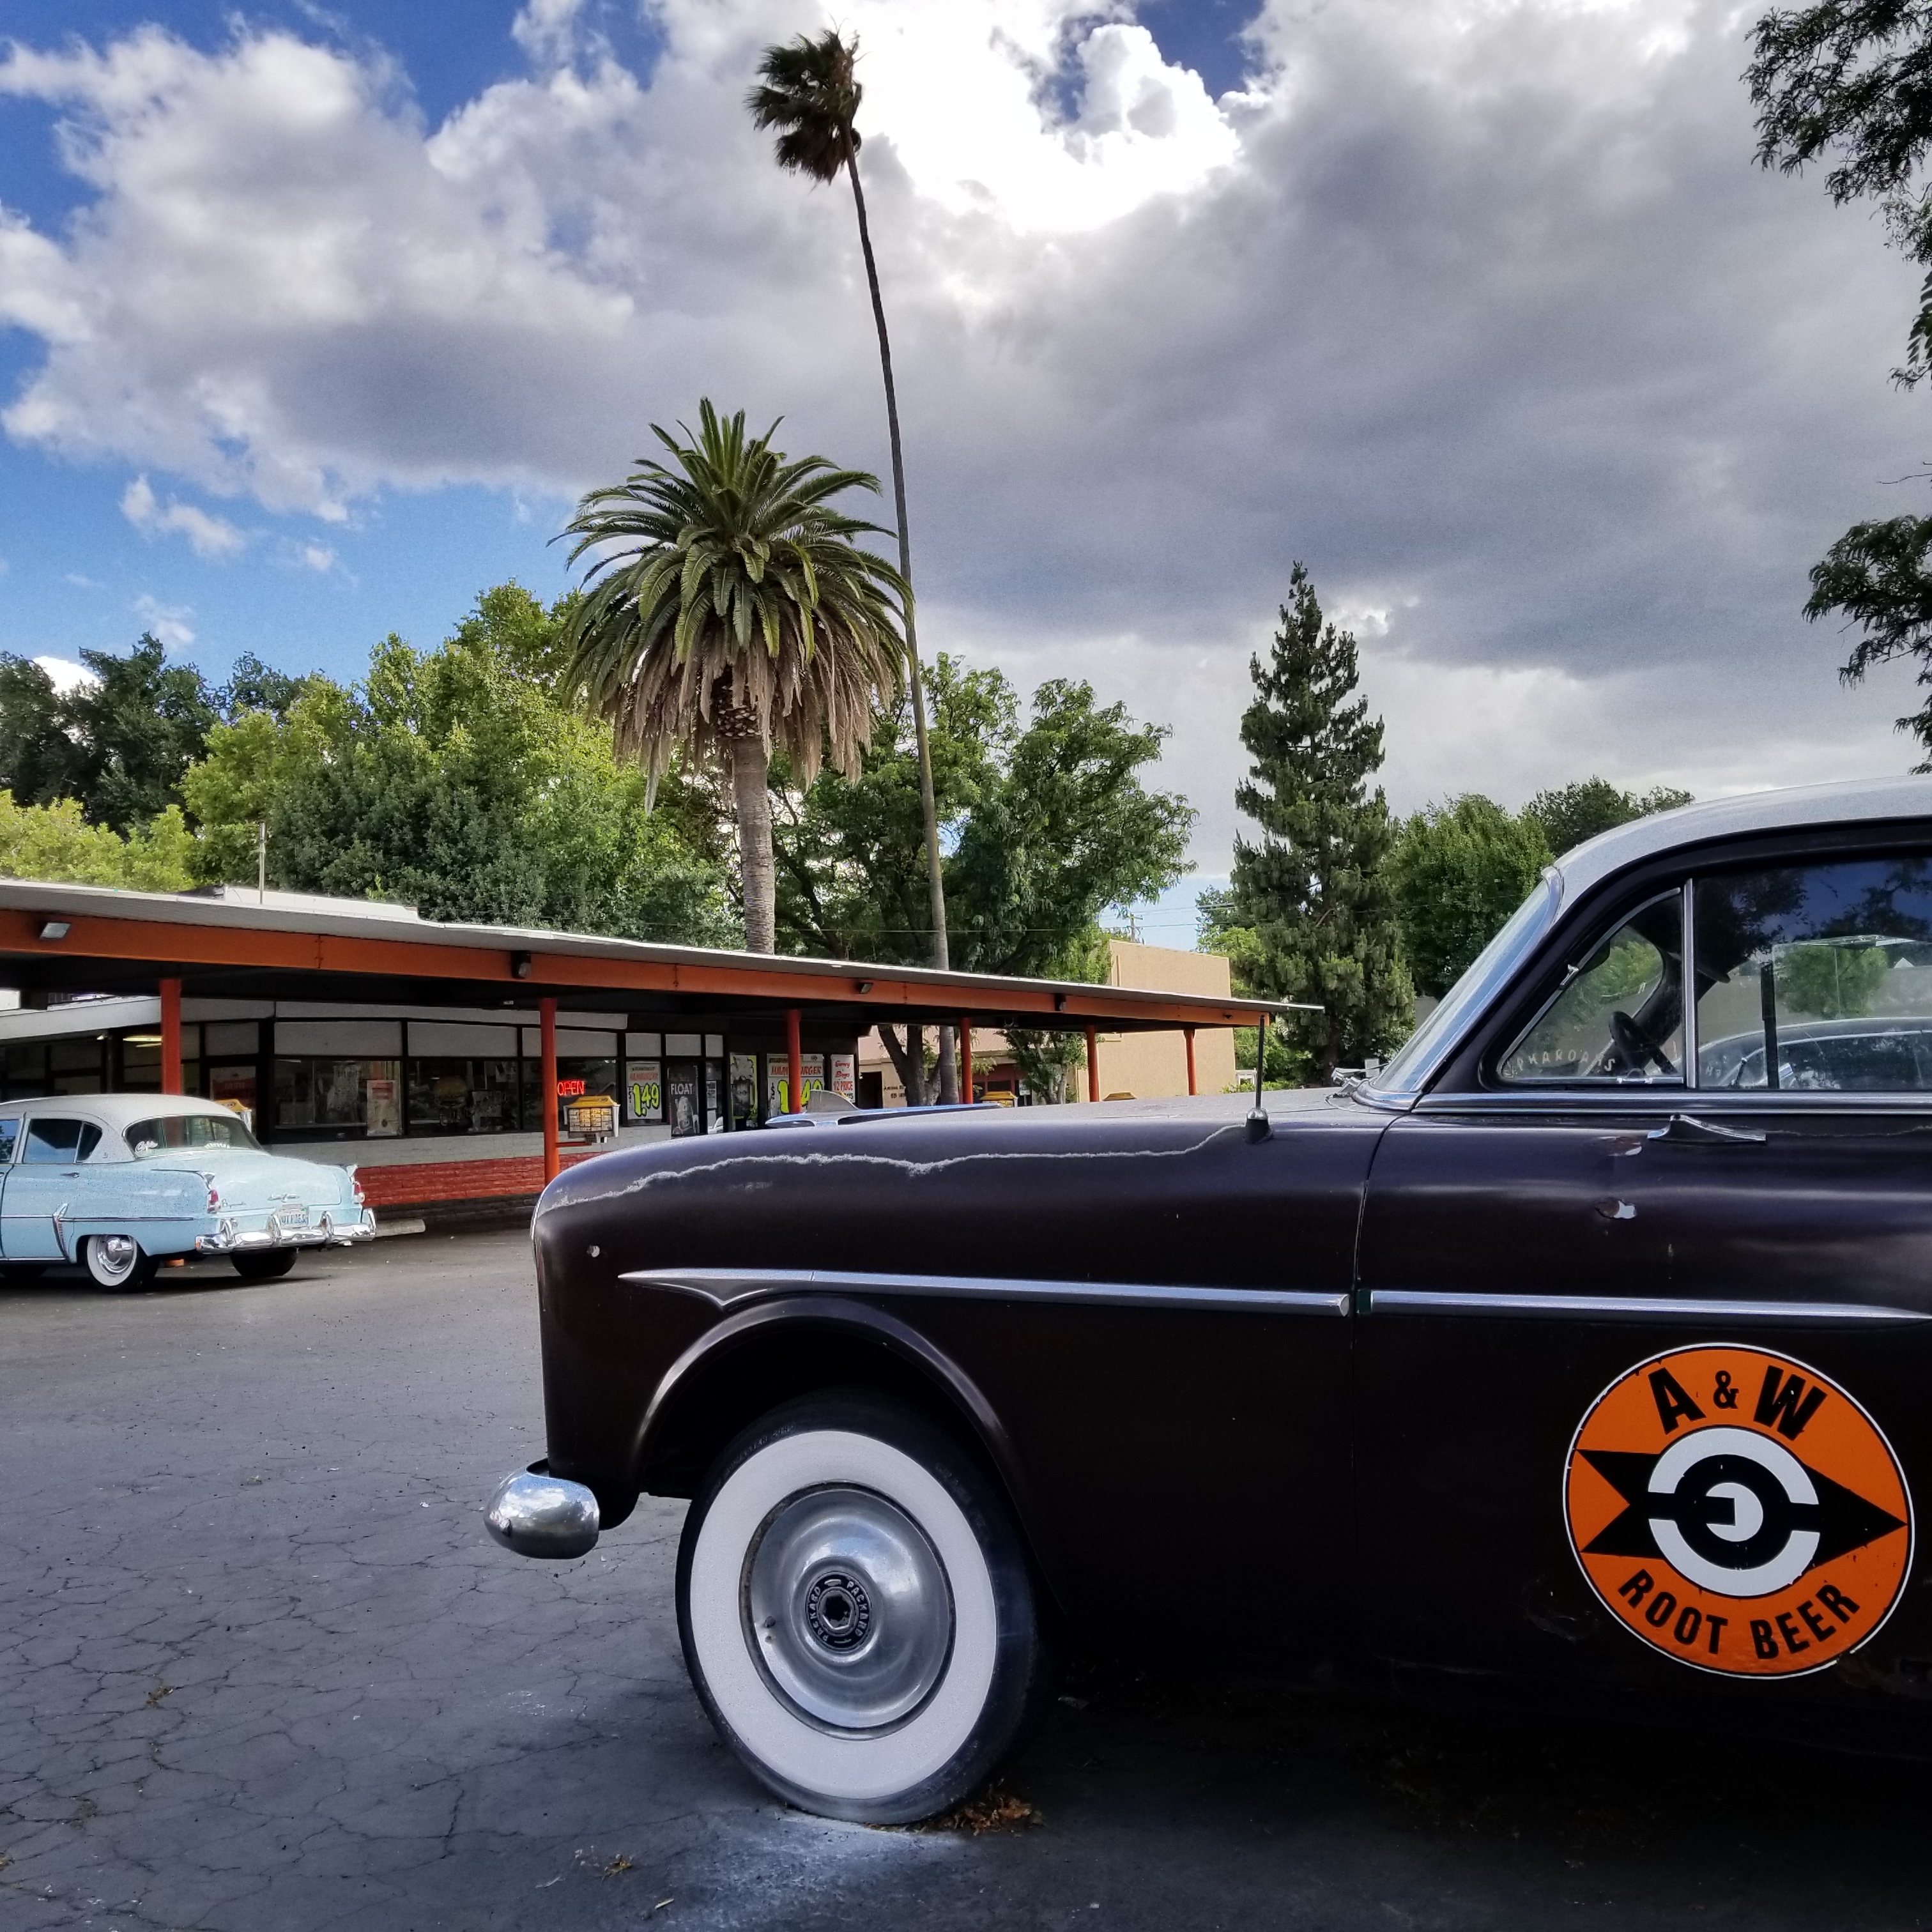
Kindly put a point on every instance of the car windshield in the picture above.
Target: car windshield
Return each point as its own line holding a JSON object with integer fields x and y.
{"x": 170, "y": 1132}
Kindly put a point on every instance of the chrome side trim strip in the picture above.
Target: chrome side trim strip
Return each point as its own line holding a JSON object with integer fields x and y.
{"x": 1633, "y": 1308}
{"x": 732, "y": 1288}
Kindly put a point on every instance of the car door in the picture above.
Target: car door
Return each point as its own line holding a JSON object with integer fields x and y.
{"x": 48, "y": 1185}
{"x": 1647, "y": 1285}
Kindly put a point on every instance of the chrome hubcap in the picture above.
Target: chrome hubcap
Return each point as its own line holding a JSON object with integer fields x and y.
{"x": 114, "y": 1254}
{"x": 847, "y": 1610}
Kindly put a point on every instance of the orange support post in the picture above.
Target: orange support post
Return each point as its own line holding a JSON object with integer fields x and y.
{"x": 795, "y": 1092}
{"x": 1093, "y": 1066}
{"x": 553, "y": 1152}
{"x": 965, "y": 1058}
{"x": 1189, "y": 1031}
{"x": 171, "y": 1063}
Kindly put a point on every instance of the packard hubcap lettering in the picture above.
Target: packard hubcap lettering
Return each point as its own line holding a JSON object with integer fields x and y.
{"x": 1738, "y": 1511}
{"x": 838, "y": 1611}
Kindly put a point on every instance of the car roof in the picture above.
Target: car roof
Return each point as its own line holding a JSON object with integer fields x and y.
{"x": 1861, "y": 801}
{"x": 117, "y": 1111}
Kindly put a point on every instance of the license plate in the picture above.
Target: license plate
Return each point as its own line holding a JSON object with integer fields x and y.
{"x": 293, "y": 1217}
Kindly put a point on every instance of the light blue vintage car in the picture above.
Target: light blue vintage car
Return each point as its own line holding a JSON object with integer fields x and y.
{"x": 118, "y": 1182}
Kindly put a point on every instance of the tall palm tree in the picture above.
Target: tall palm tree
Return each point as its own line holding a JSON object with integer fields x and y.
{"x": 811, "y": 94}
{"x": 731, "y": 608}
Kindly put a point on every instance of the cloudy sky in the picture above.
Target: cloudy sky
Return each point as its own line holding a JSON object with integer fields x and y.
{"x": 315, "y": 319}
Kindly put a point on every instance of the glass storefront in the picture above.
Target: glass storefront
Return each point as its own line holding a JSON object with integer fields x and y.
{"x": 465, "y": 1096}
{"x": 337, "y": 1098}
{"x": 370, "y": 1079}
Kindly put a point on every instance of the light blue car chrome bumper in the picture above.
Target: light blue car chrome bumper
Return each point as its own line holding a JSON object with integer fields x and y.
{"x": 538, "y": 1514}
{"x": 327, "y": 1232}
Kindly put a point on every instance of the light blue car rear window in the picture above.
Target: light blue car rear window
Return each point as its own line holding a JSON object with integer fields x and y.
{"x": 55, "y": 1143}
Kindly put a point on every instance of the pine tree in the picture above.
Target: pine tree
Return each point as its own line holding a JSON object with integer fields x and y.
{"x": 1314, "y": 888}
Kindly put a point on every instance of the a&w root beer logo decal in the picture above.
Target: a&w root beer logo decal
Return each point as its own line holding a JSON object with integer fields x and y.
{"x": 1738, "y": 1511}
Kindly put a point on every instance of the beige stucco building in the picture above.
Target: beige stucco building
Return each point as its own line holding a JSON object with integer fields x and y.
{"x": 1148, "y": 1067}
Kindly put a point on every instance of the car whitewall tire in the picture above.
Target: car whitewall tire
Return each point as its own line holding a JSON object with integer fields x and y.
{"x": 116, "y": 1261}
{"x": 857, "y": 1612}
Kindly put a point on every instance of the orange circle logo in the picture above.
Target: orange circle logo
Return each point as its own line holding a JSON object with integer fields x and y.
{"x": 1738, "y": 1511}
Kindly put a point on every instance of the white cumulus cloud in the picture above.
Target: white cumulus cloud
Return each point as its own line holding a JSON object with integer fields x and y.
{"x": 1478, "y": 307}
{"x": 208, "y": 536}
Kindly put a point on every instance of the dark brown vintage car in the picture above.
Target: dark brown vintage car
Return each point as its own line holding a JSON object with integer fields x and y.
{"x": 1584, "y": 1348}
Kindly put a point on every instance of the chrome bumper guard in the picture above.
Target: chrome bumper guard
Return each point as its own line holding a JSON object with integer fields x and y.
{"x": 540, "y": 1515}
{"x": 327, "y": 1233}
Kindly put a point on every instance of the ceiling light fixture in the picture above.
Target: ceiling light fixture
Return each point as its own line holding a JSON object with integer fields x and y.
{"x": 54, "y": 929}
{"x": 520, "y": 965}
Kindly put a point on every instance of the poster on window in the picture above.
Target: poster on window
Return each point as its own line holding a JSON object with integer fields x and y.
{"x": 382, "y": 1104}
{"x": 845, "y": 1077}
{"x": 645, "y": 1094}
{"x": 744, "y": 1089}
{"x": 681, "y": 1098}
{"x": 778, "y": 1079}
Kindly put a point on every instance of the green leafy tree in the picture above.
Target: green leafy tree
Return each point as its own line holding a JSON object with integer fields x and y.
{"x": 1049, "y": 1063}
{"x": 809, "y": 91}
{"x": 40, "y": 760}
{"x": 1049, "y": 819}
{"x": 458, "y": 781}
{"x": 55, "y": 842}
{"x": 1313, "y": 888}
{"x": 1573, "y": 813}
{"x": 1458, "y": 871}
{"x": 1833, "y": 979}
{"x": 118, "y": 740}
{"x": 1852, "y": 80}
{"x": 729, "y": 607}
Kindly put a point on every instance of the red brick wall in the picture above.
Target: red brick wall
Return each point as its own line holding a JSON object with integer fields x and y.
{"x": 420, "y": 1184}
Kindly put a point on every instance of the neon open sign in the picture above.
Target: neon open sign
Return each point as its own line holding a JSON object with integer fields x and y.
{"x": 569, "y": 1090}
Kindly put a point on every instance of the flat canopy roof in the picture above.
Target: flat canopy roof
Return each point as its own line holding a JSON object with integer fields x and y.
{"x": 116, "y": 941}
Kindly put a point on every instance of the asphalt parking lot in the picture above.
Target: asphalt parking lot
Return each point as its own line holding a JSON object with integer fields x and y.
{"x": 262, "y": 1668}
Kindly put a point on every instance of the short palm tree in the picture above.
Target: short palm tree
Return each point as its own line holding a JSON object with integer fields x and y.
{"x": 731, "y": 608}
{"x": 811, "y": 94}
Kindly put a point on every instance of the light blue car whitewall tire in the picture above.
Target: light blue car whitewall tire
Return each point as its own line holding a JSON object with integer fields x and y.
{"x": 117, "y": 1261}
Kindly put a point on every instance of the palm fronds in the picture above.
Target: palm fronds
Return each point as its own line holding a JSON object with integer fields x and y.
{"x": 811, "y": 95}
{"x": 728, "y": 599}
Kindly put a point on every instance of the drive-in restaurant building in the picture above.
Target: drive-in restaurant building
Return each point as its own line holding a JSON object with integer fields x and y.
{"x": 460, "y": 1067}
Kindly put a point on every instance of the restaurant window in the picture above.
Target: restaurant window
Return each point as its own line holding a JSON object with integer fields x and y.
{"x": 331, "y": 1099}
{"x": 234, "y": 1087}
{"x": 464, "y": 1096}
{"x": 579, "y": 1077}
{"x": 1817, "y": 978}
{"x": 74, "y": 1065}
{"x": 140, "y": 1063}
{"x": 27, "y": 1070}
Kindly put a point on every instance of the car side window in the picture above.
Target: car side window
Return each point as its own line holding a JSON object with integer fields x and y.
{"x": 1618, "y": 1017}
{"x": 59, "y": 1143}
{"x": 9, "y": 1138}
{"x": 1817, "y": 978}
